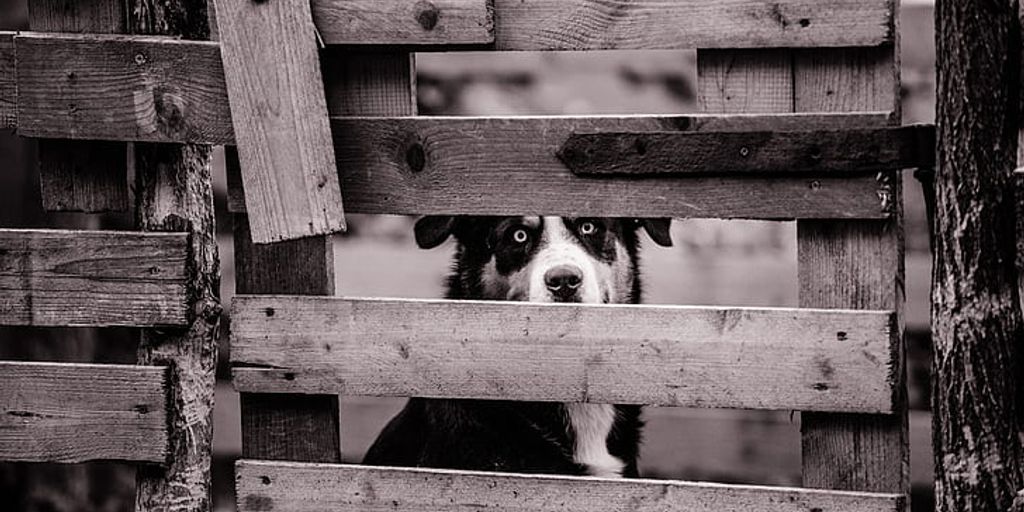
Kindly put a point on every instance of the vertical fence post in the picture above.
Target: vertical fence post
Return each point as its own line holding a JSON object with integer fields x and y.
{"x": 174, "y": 192}
{"x": 81, "y": 175}
{"x": 842, "y": 264}
{"x": 977, "y": 331}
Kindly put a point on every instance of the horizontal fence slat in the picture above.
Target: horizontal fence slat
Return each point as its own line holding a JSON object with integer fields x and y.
{"x": 92, "y": 278}
{"x": 8, "y": 84}
{"x": 610, "y": 24}
{"x": 500, "y": 166}
{"x": 510, "y": 166}
{"x": 54, "y": 412}
{"x": 405, "y": 22}
{"x": 294, "y": 487}
{"x": 109, "y": 87}
{"x": 802, "y": 359}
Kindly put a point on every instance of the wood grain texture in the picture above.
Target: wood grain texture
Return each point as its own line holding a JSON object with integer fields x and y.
{"x": 279, "y": 112}
{"x": 671, "y": 355}
{"x": 286, "y": 487}
{"x": 854, "y": 265}
{"x": 91, "y": 278}
{"x": 819, "y": 152}
{"x": 405, "y": 22}
{"x": 53, "y": 412}
{"x": 77, "y": 175}
{"x": 501, "y": 166}
{"x": 151, "y": 89}
{"x": 8, "y": 83}
{"x": 624, "y": 24}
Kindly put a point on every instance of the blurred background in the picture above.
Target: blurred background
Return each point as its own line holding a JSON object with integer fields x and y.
{"x": 742, "y": 263}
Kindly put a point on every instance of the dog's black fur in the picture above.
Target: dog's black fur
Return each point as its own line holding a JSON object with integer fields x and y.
{"x": 528, "y": 437}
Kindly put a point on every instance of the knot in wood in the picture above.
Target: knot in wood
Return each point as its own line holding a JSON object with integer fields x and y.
{"x": 416, "y": 158}
{"x": 427, "y": 15}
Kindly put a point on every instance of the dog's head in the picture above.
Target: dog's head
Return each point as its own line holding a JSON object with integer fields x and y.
{"x": 543, "y": 259}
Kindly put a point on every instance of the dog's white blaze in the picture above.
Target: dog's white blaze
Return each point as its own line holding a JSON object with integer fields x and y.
{"x": 592, "y": 423}
{"x": 559, "y": 247}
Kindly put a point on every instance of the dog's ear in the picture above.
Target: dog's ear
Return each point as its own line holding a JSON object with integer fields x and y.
{"x": 660, "y": 230}
{"x": 433, "y": 230}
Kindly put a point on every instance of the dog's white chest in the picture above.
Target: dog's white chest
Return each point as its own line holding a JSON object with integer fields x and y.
{"x": 592, "y": 423}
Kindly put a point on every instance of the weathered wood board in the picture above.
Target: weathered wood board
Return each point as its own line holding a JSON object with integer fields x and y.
{"x": 294, "y": 487}
{"x": 279, "y": 112}
{"x": 52, "y": 412}
{"x": 657, "y": 355}
{"x": 611, "y": 24}
{"x": 91, "y": 278}
{"x": 856, "y": 264}
{"x": 496, "y": 166}
{"x": 405, "y": 22}
{"x": 138, "y": 88}
{"x": 8, "y": 84}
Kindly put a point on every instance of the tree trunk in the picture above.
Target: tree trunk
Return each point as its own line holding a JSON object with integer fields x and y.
{"x": 174, "y": 192}
{"x": 976, "y": 318}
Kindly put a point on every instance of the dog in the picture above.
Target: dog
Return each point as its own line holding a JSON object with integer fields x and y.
{"x": 535, "y": 259}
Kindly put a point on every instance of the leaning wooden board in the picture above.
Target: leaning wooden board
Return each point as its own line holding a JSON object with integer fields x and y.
{"x": 51, "y": 412}
{"x": 279, "y": 112}
{"x": 294, "y": 487}
{"x": 91, "y": 278}
{"x": 655, "y": 355}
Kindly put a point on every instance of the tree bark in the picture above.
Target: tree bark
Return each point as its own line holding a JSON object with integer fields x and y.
{"x": 174, "y": 192}
{"x": 976, "y": 318}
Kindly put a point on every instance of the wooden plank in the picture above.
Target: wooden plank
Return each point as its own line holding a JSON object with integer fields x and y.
{"x": 279, "y": 111}
{"x": 287, "y": 487}
{"x": 854, "y": 265}
{"x": 53, "y": 412}
{"x": 804, "y": 151}
{"x": 8, "y": 84}
{"x": 620, "y": 24}
{"x": 78, "y": 175}
{"x": 91, "y": 278}
{"x": 672, "y": 355}
{"x": 139, "y": 88}
{"x": 501, "y": 166}
{"x": 405, "y": 22}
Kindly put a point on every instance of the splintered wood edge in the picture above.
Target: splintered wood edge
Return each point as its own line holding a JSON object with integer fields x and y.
{"x": 335, "y": 487}
{"x": 779, "y": 359}
{"x": 70, "y": 413}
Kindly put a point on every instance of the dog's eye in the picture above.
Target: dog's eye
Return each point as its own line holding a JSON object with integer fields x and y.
{"x": 588, "y": 228}
{"x": 520, "y": 236}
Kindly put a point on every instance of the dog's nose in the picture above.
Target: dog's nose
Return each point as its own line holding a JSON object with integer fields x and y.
{"x": 563, "y": 281}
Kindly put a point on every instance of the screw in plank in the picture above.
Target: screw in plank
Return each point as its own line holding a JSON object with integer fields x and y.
{"x": 140, "y": 59}
{"x": 744, "y": 151}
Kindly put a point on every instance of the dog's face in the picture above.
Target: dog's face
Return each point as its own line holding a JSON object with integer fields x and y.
{"x": 544, "y": 259}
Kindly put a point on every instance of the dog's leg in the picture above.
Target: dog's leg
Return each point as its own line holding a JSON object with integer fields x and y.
{"x": 591, "y": 424}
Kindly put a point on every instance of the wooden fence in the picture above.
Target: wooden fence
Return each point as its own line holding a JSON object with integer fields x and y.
{"x": 802, "y": 123}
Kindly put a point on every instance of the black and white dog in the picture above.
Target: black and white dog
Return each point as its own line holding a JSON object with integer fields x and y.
{"x": 536, "y": 259}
